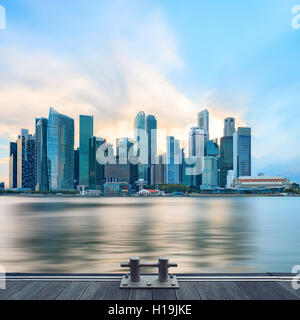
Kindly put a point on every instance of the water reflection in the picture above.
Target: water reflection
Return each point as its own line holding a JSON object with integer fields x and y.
{"x": 83, "y": 235}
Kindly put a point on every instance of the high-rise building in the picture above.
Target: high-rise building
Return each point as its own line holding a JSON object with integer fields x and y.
{"x": 60, "y": 151}
{"x": 196, "y": 153}
{"x": 85, "y": 134}
{"x": 210, "y": 175}
{"x": 96, "y": 175}
{"x": 203, "y": 123}
{"x": 229, "y": 127}
{"x": 212, "y": 148}
{"x": 13, "y": 158}
{"x": 151, "y": 129}
{"x": 76, "y": 168}
{"x": 226, "y": 159}
{"x": 42, "y": 183}
{"x": 173, "y": 160}
{"x": 141, "y": 145}
{"x": 26, "y": 161}
{"x": 242, "y": 152}
{"x": 160, "y": 170}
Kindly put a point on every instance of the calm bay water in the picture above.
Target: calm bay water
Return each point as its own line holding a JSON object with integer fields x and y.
{"x": 200, "y": 234}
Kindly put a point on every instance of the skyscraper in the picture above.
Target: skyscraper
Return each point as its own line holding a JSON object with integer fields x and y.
{"x": 196, "y": 153}
{"x": 96, "y": 175}
{"x": 141, "y": 145}
{"x": 60, "y": 151}
{"x": 210, "y": 176}
{"x": 13, "y": 158}
{"x": 160, "y": 170}
{"x": 229, "y": 127}
{"x": 42, "y": 183}
{"x": 26, "y": 161}
{"x": 242, "y": 152}
{"x": 203, "y": 123}
{"x": 76, "y": 168}
{"x": 173, "y": 160}
{"x": 151, "y": 128}
{"x": 212, "y": 148}
{"x": 85, "y": 134}
{"x": 226, "y": 159}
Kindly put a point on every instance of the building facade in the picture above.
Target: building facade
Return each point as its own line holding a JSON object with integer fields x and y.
{"x": 86, "y": 129}
{"x": 173, "y": 161}
{"x": 151, "y": 129}
{"x": 203, "y": 123}
{"x": 96, "y": 170}
{"x": 226, "y": 159}
{"x": 60, "y": 151}
{"x": 26, "y": 161}
{"x": 229, "y": 127}
{"x": 242, "y": 152}
{"x": 210, "y": 175}
{"x": 13, "y": 159}
{"x": 42, "y": 182}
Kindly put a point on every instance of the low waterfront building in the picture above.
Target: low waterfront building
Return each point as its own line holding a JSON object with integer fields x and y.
{"x": 261, "y": 182}
{"x": 150, "y": 192}
{"x": 117, "y": 188}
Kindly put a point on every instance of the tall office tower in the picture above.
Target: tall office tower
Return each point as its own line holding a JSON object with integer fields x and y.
{"x": 186, "y": 177}
{"x": 42, "y": 183}
{"x": 151, "y": 129}
{"x": 212, "y": 148}
{"x": 60, "y": 151}
{"x": 196, "y": 153}
{"x": 141, "y": 145}
{"x": 229, "y": 127}
{"x": 26, "y": 161}
{"x": 124, "y": 150}
{"x": 226, "y": 159}
{"x": 173, "y": 160}
{"x": 85, "y": 134}
{"x": 160, "y": 170}
{"x": 13, "y": 158}
{"x": 210, "y": 175}
{"x": 76, "y": 168}
{"x": 96, "y": 170}
{"x": 203, "y": 123}
{"x": 242, "y": 152}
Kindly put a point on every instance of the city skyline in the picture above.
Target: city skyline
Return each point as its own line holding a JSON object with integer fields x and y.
{"x": 184, "y": 65}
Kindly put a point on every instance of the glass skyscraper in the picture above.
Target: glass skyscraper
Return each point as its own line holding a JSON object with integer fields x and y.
{"x": 151, "y": 128}
{"x": 85, "y": 134}
{"x": 60, "y": 151}
{"x": 13, "y": 154}
{"x": 42, "y": 183}
{"x": 26, "y": 161}
{"x": 140, "y": 145}
{"x": 173, "y": 161}
{"x": 226, "y": 159}
{"x": 242, "y": 152}
{"x": 203, "y": 123}
{"x": 96, "y": 170}
{"x": 210, "y": 176}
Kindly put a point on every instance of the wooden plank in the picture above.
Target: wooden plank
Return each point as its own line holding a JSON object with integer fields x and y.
{"x": 51, "y": 291}
{"x": 230, "y": 291}
{"x": 95, "y": 291}
{"x": 265, "y": 291}
{"x": 29, "y": 291}
{"x": 288, "y": 286}
{"x": 164, "y": 294}
{"x": 187, "y": 291}
{"x": 12, "y": 287}
{"x": 115, "y": 293}
{"x": 208, "y": 291}
{"x": 73, "y": 291}
{"x": 141, "y": 294}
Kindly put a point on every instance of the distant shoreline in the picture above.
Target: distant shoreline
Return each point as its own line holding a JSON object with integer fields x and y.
{"x": 39, "y": 196}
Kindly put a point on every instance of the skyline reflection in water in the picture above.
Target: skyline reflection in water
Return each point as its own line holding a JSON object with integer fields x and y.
{"x": 79, "y": 235}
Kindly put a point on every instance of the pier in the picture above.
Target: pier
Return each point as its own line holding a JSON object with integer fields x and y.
{"x": 264, "y": 286}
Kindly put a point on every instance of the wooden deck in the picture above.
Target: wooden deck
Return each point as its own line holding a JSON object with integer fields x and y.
{"x": 192, "y": 287}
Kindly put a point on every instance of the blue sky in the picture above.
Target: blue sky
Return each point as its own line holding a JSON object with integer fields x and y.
{"x": 170, "y": 58}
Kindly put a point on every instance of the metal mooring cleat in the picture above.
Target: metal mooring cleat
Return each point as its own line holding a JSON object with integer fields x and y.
{"x": 138, "y": 281}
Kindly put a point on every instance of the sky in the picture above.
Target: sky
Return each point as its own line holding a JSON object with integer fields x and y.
{"x": 170, "y": 58}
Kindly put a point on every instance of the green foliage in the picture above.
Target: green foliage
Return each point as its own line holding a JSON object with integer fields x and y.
{"x": 170, "y": 188}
